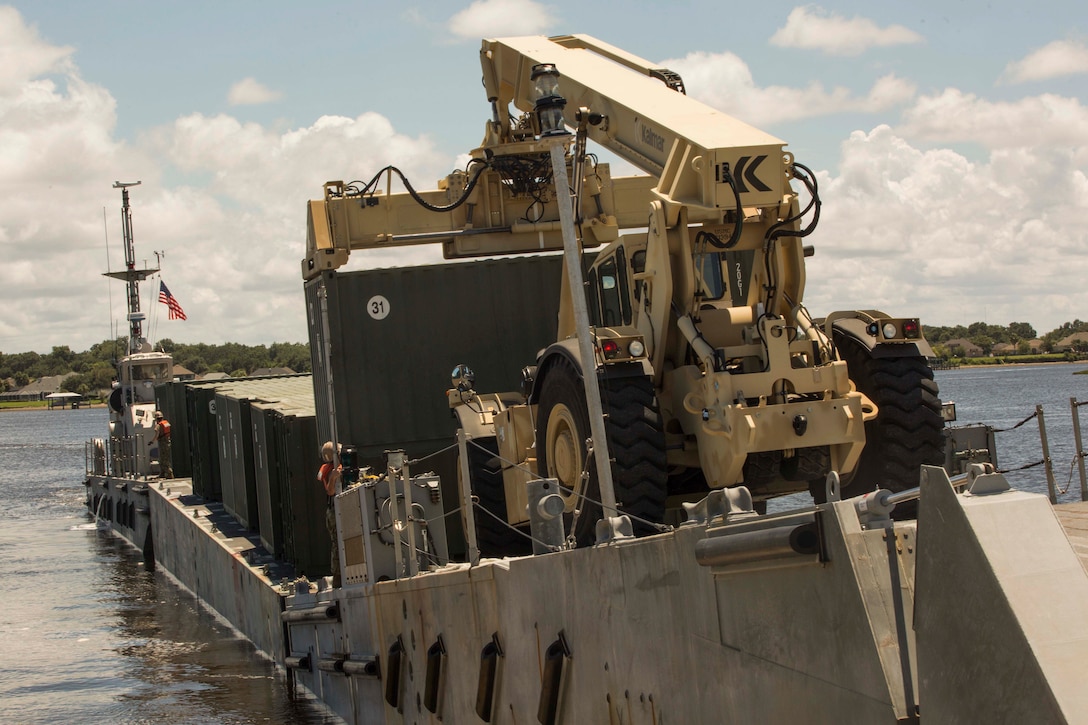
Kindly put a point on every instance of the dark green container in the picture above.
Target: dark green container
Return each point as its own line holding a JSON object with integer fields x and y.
{"x": 236, "y": 459}
{"x": 397, "y": 333}
{"x": 170, "y": 399}
{"x": 204, "y": 441}
{"x": 267, "y": 464}
{"x": 306, "y": 541}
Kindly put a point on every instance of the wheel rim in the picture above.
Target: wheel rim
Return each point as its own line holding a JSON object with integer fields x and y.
{"x": 564, "y": 452}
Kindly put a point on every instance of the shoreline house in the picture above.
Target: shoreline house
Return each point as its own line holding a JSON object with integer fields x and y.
{"x": 962, "y": 347}
{"x": 1077, "y": 342}
{"x": 37, "y": 390}
{"x": 183, "y": 374}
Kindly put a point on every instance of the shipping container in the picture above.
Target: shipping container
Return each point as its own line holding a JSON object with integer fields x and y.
{"x": 396, "y": 334}
{"x": 307, "y": 545}
{"x": 266, "y": 471}
{"x": 237, "y": 459}
{"x": 204, "y": 440}
{"x": 170, "y": 399}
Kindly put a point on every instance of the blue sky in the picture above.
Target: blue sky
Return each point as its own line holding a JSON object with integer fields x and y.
{"x": 950, "y": 140}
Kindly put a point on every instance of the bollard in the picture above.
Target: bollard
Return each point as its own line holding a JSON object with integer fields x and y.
{"x": 468, "y": 514}
{"x": 546, "y": 515}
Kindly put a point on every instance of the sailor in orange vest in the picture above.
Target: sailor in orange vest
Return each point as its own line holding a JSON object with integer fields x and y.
{"x": 162, "y": 437}
{"x": 329, "y": 476}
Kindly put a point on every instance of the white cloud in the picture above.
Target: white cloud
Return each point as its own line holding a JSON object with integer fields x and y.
{"x": 56, "y": 155}
{"x": 1060, "y": 58}
{"x": 232, "y": 245}
{"x": 724, "y": 81}
{"x": 493, "y": 18}
{"x": 237, "y": 241}
{"x": 813, "y": 28}
{"x": 1038, "y": 121}
{"x": 251, "y": 92}
{"x": 930, "y": 233}
{"x": 23, "y": 54}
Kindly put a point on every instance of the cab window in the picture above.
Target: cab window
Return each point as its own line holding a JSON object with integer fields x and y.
{"x": 611, "y": 305}
{"x": 708, "y": 271}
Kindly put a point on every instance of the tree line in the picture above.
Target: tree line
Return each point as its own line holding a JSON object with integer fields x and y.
{"x": 1018, "y": 334}
{"x": 95, "y": 367}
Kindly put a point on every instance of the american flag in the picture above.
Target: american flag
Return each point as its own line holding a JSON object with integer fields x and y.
{"x": 176, "y": 313}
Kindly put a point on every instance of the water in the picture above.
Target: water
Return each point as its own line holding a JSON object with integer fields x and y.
{"x": 86, "y": 633}
{"x": 1004, "y": 396}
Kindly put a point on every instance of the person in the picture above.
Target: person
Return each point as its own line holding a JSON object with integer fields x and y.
{"x": 329, "y": 476}
{"x": 162, "y": 437}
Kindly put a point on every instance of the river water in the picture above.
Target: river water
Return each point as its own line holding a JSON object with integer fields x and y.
{"x": 1004, "y": 396}
{"x": 88, "y": 635}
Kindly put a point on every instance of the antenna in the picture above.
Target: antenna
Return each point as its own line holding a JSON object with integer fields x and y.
{"x": 131, "y": 276}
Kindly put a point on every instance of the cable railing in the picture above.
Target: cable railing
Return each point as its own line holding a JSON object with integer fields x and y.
{"x": 1054, "y": 490}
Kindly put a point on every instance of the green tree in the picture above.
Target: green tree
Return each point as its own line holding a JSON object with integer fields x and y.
{"x": 195, "y": 363}
{"x": 985, "y": 342}
{"x": 1021, "y": 331}
{"x": 79, "y": 383}
{"x": 290, "y": 355}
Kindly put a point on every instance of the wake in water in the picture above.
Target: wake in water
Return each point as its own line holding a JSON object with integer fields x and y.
{"x": 99, "y": 525}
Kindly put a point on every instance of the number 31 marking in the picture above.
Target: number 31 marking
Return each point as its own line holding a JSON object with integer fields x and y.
{"x": 378, "y": 307}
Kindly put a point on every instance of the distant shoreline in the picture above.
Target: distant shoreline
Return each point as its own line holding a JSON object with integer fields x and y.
{"x": 977, "y": 366}
{"x": 961, "y": 366}
{"x": 21, "y": 408}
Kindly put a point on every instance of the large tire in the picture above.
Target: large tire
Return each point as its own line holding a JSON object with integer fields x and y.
{"x": 494, "y": 537}
{"x": 908, "y": 429}
{"x": 636, "y": 444}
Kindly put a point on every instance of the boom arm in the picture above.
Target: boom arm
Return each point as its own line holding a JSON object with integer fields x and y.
{"x": 689, "y": 147}
{"x": 714, "y": 167}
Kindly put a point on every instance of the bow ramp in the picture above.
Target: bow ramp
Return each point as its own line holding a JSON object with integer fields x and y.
{"x": 1002, "y": 608}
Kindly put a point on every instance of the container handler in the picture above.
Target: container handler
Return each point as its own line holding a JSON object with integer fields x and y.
{"x": 691, "y": 351}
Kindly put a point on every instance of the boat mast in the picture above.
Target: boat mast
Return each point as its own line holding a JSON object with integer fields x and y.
{"x": 130, "y": 275}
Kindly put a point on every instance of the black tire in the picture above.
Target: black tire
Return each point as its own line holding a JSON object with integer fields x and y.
{"x": 761, "y": 468}
{"x": 494, "y": 537}
{"x": 908, "y": 430}
{"x": 807, "y": 464}
{"x": 636, "y": 444}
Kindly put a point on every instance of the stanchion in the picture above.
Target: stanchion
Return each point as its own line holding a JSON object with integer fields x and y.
{"x": 1074, "y": 405}
{"x": 1050, "y": 486}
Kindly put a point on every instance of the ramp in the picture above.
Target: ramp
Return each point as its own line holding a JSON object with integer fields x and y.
{"x": 1001, "y": 608}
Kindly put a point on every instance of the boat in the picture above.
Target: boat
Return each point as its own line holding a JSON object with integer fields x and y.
{"x": 837, "y": 611}
{"x": 131, "y": 402}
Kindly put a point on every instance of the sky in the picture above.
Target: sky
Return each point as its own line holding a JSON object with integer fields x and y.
{"x": 950, "y": 140}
